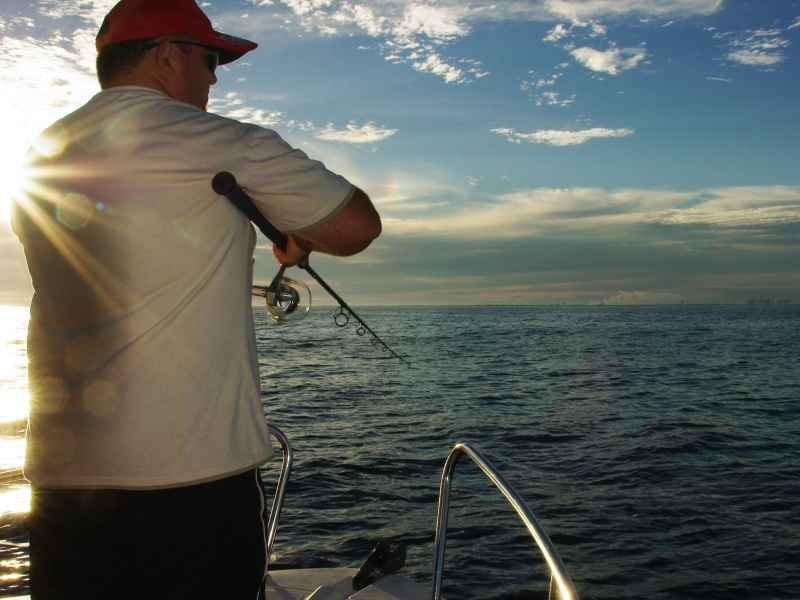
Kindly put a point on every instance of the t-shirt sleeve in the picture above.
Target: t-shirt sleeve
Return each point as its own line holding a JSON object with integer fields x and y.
{"x": 294, "y": 192}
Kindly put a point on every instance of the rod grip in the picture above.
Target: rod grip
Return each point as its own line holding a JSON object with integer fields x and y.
{"x": 224, "y": 184}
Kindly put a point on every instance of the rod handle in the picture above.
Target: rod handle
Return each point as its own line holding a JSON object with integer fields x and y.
{"x": 224, "y": 184}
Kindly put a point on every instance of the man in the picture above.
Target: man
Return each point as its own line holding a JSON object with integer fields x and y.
{"x": 146, "y": 428}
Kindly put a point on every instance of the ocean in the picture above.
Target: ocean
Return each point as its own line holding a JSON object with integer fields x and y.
{"x": 659, "y": 446}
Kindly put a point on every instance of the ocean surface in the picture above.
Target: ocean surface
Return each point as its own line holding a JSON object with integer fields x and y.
{"x": 658, "y": 446}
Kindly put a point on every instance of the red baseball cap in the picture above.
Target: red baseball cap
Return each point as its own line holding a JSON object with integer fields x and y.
{"x": 142, "y": 19}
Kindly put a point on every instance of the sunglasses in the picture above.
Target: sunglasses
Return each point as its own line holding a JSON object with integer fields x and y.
{"x": 212, "y": 59}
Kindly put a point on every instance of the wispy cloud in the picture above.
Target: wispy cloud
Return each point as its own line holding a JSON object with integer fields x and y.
{"x": 545, "y": 211}
{"x": 435, "y": 22}
{"x": 555, "y": 137}
{"x": 736, "y": 208}
{"x": 764, "y": 48}
{"x": 580, "y": 40}
{"x": 422, "y": 34}
{"x": 550, "y": 98}
{"x": 355, "y": 134}
{"x": 90, "y": 13}
{"x": 612, "y": 61}
{"x": 42, "y": 79}
{"x": 594, "y": 9}
{"x": 426, "y": 60}
{"x": 233, "y": 106}
{"x": 419, "y": 33}
{"x": 540, "y": 89}
{"x": 406, "y": 32}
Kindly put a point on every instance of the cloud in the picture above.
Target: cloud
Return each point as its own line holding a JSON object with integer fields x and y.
{"x": 558, "y": 33}
{"x": 234, "y": 107}
{"x": 407, "y": 32}
{"x": 42, "y": 79}
{"x": 593, "y": 9}
{"x": 417, "y": 33}
{"x": 423, "y": 30}
{"x": 304, "y": 7}
{"x": 435, "y": 22}
{"x": 90, "y": 13}
{"x": 761, "y": 48}
{"x": 573, "y": 39}
{"x": 535, "y": 86}
{"x": 562, "y": 138}
{"x": 553, "y": 99}
{"x": 559, "y": 212}
{"x": 355, "y": 134}
{"x": 739, "y": 207}
{"x": 749, "y": 217}
{"x": 612, "y": 61}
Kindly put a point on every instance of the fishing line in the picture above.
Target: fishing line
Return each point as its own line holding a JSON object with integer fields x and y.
{"x": 282, "y": 298}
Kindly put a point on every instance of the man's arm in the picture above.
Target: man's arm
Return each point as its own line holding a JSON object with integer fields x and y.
{"x": 349, "y": 232}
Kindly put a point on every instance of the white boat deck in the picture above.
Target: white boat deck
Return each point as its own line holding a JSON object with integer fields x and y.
{"x": 337, "y": 584}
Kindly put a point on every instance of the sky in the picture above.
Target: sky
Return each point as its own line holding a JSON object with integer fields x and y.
{"x": 519, "y": 151}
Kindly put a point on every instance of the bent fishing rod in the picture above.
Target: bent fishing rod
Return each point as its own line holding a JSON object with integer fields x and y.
{"x": 224, "y": 184}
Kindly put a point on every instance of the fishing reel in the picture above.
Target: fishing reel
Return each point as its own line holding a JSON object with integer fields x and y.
{"x": 287, "y": 300}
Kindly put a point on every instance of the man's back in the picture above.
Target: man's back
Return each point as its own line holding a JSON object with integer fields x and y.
{"x": 141, "y": 335}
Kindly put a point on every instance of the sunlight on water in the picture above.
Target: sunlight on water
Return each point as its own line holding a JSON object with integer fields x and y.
{"x": 12, "y": 449}
{"x": 15, "y": 498}
{"x": 14, "y": 492}
{"x": 13, "y": 364}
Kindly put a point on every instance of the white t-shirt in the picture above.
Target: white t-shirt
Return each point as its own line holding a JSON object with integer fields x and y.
{"x": 143, "y": 367}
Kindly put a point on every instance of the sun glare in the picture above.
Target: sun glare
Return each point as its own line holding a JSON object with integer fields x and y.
{"x": 12, "y": 177}
{"x": 6, "y": 191}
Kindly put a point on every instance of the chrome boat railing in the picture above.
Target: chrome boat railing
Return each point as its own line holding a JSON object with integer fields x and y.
{"x": 280, "y": 491}
{"x": 560, "y": 582}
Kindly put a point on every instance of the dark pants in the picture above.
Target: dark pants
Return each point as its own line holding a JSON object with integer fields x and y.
{"x": 200, "y": 541}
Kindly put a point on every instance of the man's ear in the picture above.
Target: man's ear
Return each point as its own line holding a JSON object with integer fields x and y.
{"x": 165, "y": 57}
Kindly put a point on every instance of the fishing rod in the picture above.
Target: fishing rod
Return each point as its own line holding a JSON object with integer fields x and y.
{"x": 286, "y": 298}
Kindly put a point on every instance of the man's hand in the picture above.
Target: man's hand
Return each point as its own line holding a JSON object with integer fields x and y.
{"x": 296, "y": 252}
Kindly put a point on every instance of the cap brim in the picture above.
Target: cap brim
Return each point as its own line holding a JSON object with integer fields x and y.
{"x": 230, "y": 48}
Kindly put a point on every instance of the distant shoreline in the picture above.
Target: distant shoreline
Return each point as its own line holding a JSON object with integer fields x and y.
{"x": 587, "y": 304}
